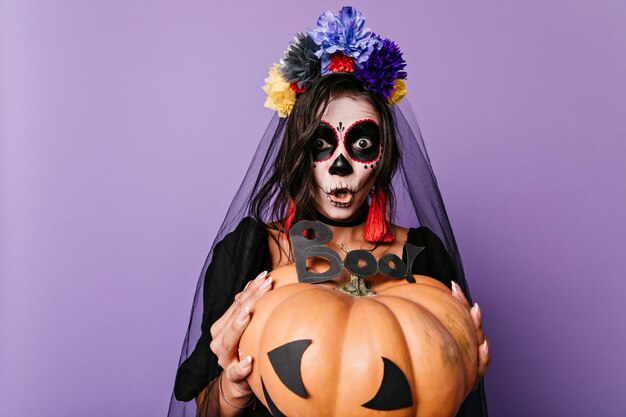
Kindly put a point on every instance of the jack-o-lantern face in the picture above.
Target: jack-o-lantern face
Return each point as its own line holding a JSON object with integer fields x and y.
{"x": 394, "y": 391}
{"x": 410, "y": 350}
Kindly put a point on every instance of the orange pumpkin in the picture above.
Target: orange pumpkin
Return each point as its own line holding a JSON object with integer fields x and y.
{"x": 409, "y": 350}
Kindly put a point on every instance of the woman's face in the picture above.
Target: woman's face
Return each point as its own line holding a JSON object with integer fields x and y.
{"x": 346, "y": 151}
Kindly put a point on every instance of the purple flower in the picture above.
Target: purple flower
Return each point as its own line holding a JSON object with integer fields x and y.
{"x": 344, "y": 32}
{"x": 384, "y": 66}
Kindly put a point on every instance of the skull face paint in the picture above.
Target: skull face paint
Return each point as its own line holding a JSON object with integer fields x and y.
{"x": 345, "y": 152}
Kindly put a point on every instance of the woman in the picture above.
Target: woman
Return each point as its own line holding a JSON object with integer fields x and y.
{"x": 342, "y": 157}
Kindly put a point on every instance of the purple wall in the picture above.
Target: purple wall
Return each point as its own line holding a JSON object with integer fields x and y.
{"x": 126, "y": 127}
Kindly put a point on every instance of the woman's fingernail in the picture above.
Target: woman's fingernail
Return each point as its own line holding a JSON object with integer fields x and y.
{"x": 246, "y": 287}
{"x": 478, "y": 315}
{"x": 486, "y": 347}
{"x": 246, "y": 361}
{"x": 454, "y": 287}
{"x": 266, "y": 284}
{"x": 260, "y": 276}
{"x": 243, "y": 314}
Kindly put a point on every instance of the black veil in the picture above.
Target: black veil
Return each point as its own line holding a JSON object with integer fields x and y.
{"x": 418, "y": 203}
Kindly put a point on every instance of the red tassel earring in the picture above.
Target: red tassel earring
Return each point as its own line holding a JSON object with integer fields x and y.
{"x": 376, "y": 226}
{"x": 291, "y": 214}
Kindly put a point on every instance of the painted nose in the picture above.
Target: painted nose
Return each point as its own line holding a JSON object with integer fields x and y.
{"x": 340, "y": 167}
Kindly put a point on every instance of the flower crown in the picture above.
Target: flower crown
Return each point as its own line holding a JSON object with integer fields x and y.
{"x": 339, "y": 43}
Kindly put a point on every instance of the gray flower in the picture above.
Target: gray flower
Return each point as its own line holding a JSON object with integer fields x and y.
{"x": 300, "y": 63}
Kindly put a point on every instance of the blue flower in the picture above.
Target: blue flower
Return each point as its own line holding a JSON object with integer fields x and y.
{"x": 384, "y": 66}
{"x": 343, "y": 32}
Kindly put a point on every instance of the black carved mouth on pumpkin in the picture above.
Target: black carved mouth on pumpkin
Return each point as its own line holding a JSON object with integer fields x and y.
{"x": 270, "y": 404}
{"x": 394, "y": 392}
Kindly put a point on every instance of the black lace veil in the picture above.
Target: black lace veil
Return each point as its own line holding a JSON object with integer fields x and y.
{"x": 418, "y": 203}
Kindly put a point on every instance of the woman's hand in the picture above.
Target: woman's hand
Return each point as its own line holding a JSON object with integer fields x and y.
{"x": 484, "y": 359}
{"x": 226, "y": 333}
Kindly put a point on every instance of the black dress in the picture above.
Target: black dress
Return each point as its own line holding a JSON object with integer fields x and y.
{"x": 240, "y": 257}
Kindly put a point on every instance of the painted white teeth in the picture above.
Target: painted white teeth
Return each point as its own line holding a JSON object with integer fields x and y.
{"x": 340, "y": 204}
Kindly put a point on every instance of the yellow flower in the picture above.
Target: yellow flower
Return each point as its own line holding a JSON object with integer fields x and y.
{"x": 399, "y": 91}
{"x": 280, "y": 96}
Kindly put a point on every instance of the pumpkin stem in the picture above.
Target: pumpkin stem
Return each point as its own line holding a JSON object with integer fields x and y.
{"x": 356, "y": 287}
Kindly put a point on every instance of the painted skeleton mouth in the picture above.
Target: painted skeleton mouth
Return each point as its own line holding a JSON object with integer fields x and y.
{"x": 341, "y": 196}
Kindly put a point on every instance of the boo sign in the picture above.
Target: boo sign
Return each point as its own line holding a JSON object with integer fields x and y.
{"x": 358, "y": 262}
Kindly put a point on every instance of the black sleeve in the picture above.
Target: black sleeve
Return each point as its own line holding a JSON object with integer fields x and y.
{"x": 434, "y": 260}
{"x": 236, "y": 259}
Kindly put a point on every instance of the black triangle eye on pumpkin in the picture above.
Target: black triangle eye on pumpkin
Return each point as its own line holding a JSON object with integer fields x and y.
{"x": 286, "y": 361}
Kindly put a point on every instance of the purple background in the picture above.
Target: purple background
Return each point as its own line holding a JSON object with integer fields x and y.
{"x": 127, "y": 126}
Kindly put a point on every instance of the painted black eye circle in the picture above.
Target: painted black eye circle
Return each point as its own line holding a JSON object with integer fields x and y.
{"x": 323, "y": 143}
{"x": 363, "y": 141}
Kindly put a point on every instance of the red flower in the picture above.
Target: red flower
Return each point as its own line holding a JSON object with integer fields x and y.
{"x": 340, "y": 63}
{"x": 295, "y": 88}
